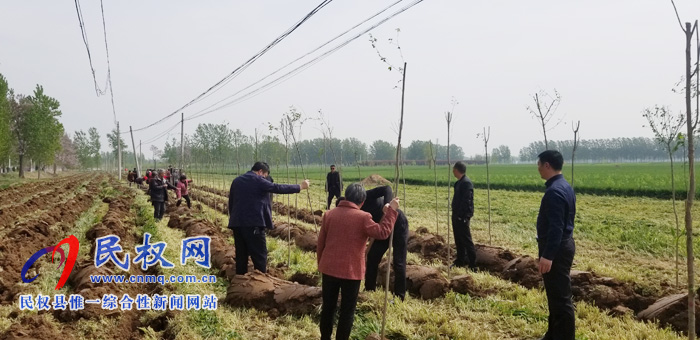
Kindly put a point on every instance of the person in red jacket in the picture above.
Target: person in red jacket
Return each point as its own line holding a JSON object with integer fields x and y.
{"x": 182, "y": 191}
{"x": 342, "y": 242}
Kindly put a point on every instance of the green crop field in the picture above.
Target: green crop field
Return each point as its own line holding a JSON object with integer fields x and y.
{"x": 626, "y": 179}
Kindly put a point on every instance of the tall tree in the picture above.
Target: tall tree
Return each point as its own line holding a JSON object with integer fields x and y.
{"x": 382, "y": 150}
{"x": 82, "y": 149}
{"x": 45, "y": 131}
{"x": 67, "y": 157}
{"x": 544, "y": 110}
{"x": 5, "y": 132}
{"x": 20, "y": 108}
{"x": 95, "y": 147}
{"x": 114, "y": 139}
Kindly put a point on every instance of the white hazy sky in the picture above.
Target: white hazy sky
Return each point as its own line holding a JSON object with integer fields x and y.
{"x": 609, "y": 59}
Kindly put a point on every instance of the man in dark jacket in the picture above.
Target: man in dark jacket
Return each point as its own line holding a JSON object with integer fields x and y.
{"x": 249, "y": 214}
{"x": 555, "y": 228}
{"x": 462, "y": 212}
{"x": 376, "y": 199}
{"x": 158, "y": 190}
{"x": 333, "y": 186}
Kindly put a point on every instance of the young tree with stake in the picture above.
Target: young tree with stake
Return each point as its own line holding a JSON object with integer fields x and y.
{"x": 666, "y": 128}
{"x": 544, "y": 110}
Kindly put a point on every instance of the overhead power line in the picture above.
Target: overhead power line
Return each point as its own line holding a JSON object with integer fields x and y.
{"x": 243, "y": 66}
{"x": 297, "y": 70}
{"x": 108, "y": 81}
{"x": 83, "y": 31}
{"x": 162, "y": 134}
{"x": 109, "y": 67}
{"x": 301, "y": 57}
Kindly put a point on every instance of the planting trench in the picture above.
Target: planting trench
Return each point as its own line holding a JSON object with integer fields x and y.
{"x": 31, "y": 202}
{"x": 267, "y": 292}
{"x": 20, "y": 244}
{"x": 23, "y": 240}
{"x": 117, "y": 220}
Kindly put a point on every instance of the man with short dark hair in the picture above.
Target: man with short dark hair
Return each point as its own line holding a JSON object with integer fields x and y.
{"x": 462, "y": 212}
{"x": 249, "y": 214}
{"x": 555, "y": 227}
{"x": 333, "y": 185}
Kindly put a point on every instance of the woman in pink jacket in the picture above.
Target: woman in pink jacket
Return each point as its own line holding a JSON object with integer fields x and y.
{"x": 341, "y": 255}
{"x": 182, "y": 191}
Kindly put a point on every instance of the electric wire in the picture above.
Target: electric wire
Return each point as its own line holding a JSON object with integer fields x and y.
{"x": 303, "y": 56}
{"x": 109, "y": 67}
{"x": 301, "y": 68}
{"x": 214, "y": 88}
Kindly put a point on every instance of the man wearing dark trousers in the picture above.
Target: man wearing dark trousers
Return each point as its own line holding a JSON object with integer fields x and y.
{"x": 555, "y": 227}
{"x": 462, "y": 212}
{"x": 333, "y": 186}
{"x": 374, "y": 204}
{"x": 249, "y": 214}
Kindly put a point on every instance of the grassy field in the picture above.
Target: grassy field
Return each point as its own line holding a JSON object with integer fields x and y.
{"x": 626, "y": 179}
{"x": 629, "y": 238}
{"x": 610, "y": 242}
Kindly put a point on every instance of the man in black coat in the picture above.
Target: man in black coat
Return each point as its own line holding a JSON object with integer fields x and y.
{"x": 333, "y": 185}
{"x": 158, "y": 190}
{"x": 462, "y": 212}
{"x": 376, "y": 199}
{"x": 249, "y": 214}
{"x": 555, "y": 228}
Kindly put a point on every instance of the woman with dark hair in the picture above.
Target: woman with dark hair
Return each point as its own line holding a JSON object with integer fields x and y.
{"x": 341, "y": 255}
{"x": 182, "y": 191}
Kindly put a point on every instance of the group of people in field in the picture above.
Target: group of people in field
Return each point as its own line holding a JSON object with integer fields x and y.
{"x": 361, "y": 215}
{"x": 159, "y": 183}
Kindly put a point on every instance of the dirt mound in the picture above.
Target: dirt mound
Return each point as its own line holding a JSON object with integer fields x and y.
{"x": 306, "y": 240}
{"x": 428, "y": 245}
{"x": 375, "y": 180}
{"x": 464, "y": 284}
{"x": 301, "y": 214}
{"x": 273, "y": 295}
{"x": 606, "y": 292}
{"x": 223, "y": 254}
{"x": 523, "y": 270}
{"x": 424, "y": 282}
{"x": 671, "y": 311}
{"x": 34, "y": 326}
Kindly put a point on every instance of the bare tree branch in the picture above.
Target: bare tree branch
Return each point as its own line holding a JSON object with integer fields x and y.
{"x": 677, "y": 16}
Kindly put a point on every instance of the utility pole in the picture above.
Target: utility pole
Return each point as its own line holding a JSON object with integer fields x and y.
{"x": 182, "y": 141}
{"x": 119, "y": 148}
{"x": 140, "y": 153}
{"x": 136, "y": 157}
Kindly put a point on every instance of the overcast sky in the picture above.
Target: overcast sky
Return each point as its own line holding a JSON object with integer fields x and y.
{"x": 609, "y": 59}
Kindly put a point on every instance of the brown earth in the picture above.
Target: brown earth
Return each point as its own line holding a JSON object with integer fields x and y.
{"x": 118, "y": 221}
{"x": 671, "y": 311}
{"x": 28, "y": 237}
{"x": 375, "y": 180}
{"x": 273, "y": 295}
{"x": 34, "y": 326}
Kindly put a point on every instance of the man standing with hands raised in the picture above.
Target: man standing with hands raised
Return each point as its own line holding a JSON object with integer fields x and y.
{"x": 249, "y": 214}
{"x": 555, "y": 227}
